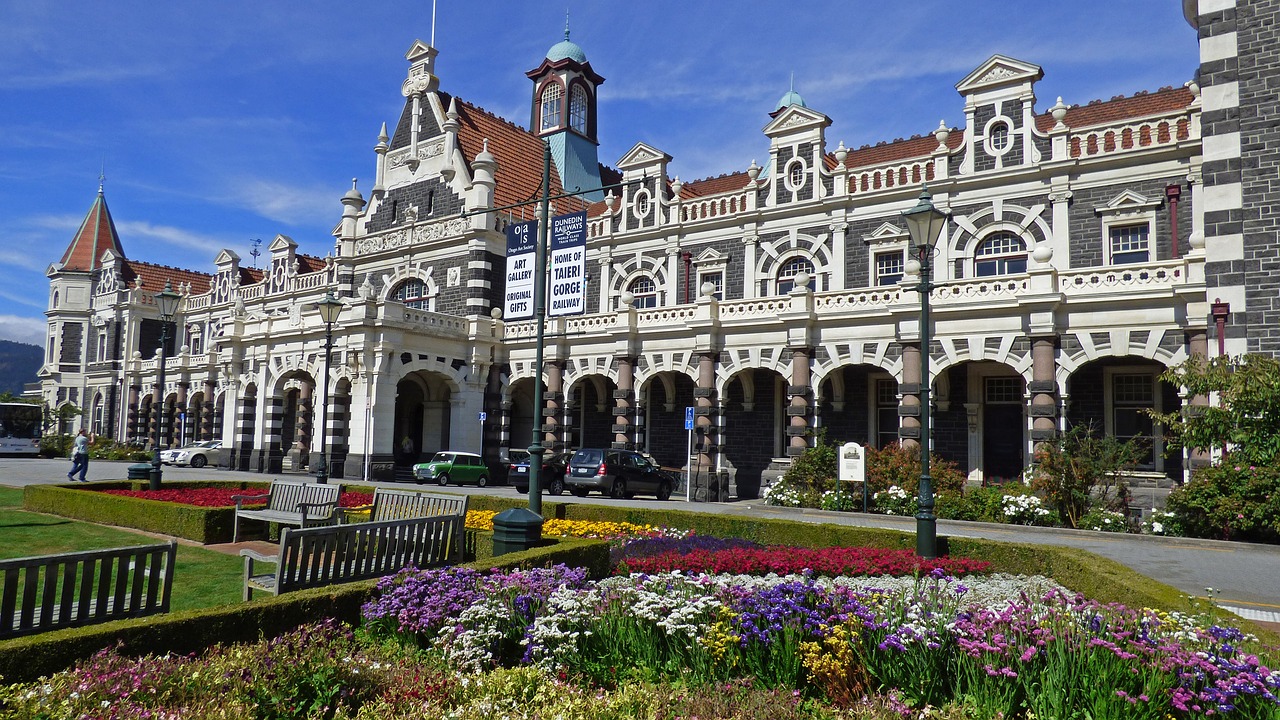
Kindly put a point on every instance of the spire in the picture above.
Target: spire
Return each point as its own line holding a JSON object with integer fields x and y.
{"x": 96, "y": 235}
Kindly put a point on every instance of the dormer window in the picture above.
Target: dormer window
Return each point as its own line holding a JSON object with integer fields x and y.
{"x": 551, "y": 106}
{"x": 578, "y": 109}
{"x": 998, "y": 136}
{"x": 795, "y": 174}
{"x": 413, "y": 293}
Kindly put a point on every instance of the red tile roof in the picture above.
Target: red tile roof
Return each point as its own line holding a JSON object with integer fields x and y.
{"x": 96, "y": 235}
{"x": 519, "y": 153}
{"x": 1099, "y": 112}
{"x": 154, "y": 276}
{"x": 715, "y": 185}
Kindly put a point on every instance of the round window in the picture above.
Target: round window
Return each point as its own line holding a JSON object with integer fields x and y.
{"x": 998, "y": 137}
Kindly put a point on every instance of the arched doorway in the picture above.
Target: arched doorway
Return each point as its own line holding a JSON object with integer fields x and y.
{"x": 1113, "y": 396}
{"x": 520, "y": 415}
{"x": 246, "y": 428}
{"x": 423, "y": 417}
{"x": 754, "y": 411}
{"x": 980, "y": 420}
{"x": 663, "y": 398}
{"x": 589, "y": 413}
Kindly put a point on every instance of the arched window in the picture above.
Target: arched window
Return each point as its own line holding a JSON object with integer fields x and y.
{"x": 551, "y": 110}
{"x": 788, "y": 272}
{"x": 413, "y": 293}
{"x": 1000, "y": 254}
{"x": 645, "y": 292}
{"x": 578, "y": 109}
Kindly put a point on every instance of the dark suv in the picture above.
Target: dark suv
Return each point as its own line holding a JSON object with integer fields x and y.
{"x": 616, "y": 473}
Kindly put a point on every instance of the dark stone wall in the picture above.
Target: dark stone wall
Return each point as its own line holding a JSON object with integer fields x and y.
{"x": 72, "y": 343}
{"x": 1087, "y": 242}
{"x": 149, "y": 338}
{"x": 951, "y": 428}
{"x": 850, "y": 424}
{"x": 666, "y": 438}
{"x": 432, "y": 197}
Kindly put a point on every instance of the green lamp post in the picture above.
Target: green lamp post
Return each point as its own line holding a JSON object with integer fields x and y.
{"x": 925, "y": 223}
{"x": 330, "y": 307}
{"x": 167, "y": 304}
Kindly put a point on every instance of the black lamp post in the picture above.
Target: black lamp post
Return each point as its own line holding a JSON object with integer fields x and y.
{"x": 167, "y": 303}
{"x": 329, "y": 309}
{"x": 925, "y": 223}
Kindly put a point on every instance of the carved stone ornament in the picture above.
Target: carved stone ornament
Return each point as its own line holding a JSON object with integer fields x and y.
{"x": 426, "y": 150}
{"x": 454, "y": 277}
{"x": 402, "y": 237}
{"x": 295, "y": 314}
{"x": 998, "y": 72}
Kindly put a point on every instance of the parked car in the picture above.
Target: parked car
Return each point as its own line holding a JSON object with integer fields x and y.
{"x": 453, "y": 467}
{"x": 197, "y": 455}
{"x": 551, "y": 479}
{"x": 616, "y": 473}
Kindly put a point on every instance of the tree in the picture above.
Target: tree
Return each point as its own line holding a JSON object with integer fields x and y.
{"x": 1246, "y": 418}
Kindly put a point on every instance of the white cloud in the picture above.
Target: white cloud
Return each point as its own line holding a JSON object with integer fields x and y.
{"x": 169, "y": 234}
{"x": 23, "y": 329}
{"x": 289, "y": 204}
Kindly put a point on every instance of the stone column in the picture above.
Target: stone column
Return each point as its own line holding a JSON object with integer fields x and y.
{"x": 157, "y": 415}
{"x": 180, "y": 406}
{"x": 1043, "y": 389}
{"x": 798, "y": 409}
{"x": 302, "y": 434}
{"x": 624, "y": 398}
{"x": 704, "y": 398}
{"x": 909, "y": 389}
{"x": 554, "y": 402}
{"x": 206, "y": 413}
{"x": 131, "y": 427}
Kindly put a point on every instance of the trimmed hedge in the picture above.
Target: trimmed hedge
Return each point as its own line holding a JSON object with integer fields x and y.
{"x": 28, "y": 658}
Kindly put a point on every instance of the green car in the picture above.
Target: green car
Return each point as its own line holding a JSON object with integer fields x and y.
{"x": 453, "y": 467}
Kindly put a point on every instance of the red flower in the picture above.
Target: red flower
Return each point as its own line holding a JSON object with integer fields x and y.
{"x": 221, "y": 497}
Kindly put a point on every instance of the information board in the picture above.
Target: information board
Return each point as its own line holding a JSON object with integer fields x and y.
{"x": 567, "y": 283}
{"x": 522, "y": 239}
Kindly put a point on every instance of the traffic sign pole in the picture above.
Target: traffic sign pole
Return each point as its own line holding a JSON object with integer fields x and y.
{"x": 688, "y": 454}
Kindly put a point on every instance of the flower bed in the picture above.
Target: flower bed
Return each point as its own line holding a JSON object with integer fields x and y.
{"x": 221, "y": 497}
{"x": 782, "y": 560}
{"x": 483, "y": 520}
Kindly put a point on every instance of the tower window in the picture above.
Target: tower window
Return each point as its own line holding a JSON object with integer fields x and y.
{"x": 790, "y": 269}
{"x": 551, "y": 110}
{"x": 998, "y": 136}
{"x": 578, "y": 109}
{"x": 1000, "y": 254}
{"x": 645, "y": 292}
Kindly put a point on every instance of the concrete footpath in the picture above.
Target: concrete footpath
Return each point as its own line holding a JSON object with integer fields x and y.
{"x": 1245, "y": 577}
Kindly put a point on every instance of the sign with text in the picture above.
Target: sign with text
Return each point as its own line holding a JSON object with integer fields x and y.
{"x": 567, "y": 283}
{"x": 522, "y": 243}
{"x": 853, "y": 463}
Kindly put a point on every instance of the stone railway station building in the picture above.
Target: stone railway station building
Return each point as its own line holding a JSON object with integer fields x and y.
{"x": 1090, "y": 247}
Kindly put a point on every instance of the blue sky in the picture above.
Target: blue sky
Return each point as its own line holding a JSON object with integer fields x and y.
{"x": 222, "y": 122}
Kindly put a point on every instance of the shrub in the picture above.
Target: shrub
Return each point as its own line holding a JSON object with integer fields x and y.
{"x": 1229, "y": 501}
{"x": 1105, "y": 521}
{"x": 816, "y": 468}
{"x": 896, "y": 465}
{"x": 1081, "y": 470}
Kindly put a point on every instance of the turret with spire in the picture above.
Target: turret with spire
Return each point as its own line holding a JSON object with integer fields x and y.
{"x": 564, "y": 113}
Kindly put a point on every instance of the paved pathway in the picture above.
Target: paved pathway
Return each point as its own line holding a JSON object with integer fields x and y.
{"x": 1245, "y": 577}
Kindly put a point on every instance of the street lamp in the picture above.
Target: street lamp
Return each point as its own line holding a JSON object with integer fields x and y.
{"x": 925, "y": 223}
{"x": 329, "y": 309}
{"x": 167, "y": 303}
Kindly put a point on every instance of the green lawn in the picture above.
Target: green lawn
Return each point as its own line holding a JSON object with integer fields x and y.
{"x": 201, "y": 578}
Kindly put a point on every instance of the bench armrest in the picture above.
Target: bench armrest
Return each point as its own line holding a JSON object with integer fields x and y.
{"x": 305, "y": 509}
{"x": 251, "y": 555}
{"x": 241, "y": 498}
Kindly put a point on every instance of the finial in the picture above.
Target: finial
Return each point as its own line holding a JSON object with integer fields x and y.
{"x": 566, "y": 24}
{"x": 102, "y": 174}
{"x": 382, "y": 135}
{"x": 793, "y": 81}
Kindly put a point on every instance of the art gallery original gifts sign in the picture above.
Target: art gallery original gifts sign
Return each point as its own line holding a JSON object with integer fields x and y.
{"x": 567, "y": 283}
{"x": 522, "y": 239}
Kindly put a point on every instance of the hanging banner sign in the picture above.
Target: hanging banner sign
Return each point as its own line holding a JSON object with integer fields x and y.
{"x": 567, "y": 283}
{"x": 522, "y": 243}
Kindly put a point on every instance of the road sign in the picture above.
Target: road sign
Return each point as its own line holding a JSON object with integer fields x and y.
{"x": 483, "y": 416}
{"x": 688, "y": 418}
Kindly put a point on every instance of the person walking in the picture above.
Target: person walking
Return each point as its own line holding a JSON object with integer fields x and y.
{"x": 80, "y": 457}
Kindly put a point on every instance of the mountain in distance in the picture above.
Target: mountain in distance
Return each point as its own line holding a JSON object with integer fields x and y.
{"x": 19, "y": 363}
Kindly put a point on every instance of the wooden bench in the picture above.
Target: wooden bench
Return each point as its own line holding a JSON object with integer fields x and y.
{"x": 403, "y": 504}
{"x": 316, "y": 556}
{"x": 290, "y": 503}
{"x": 47, "y": 592}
